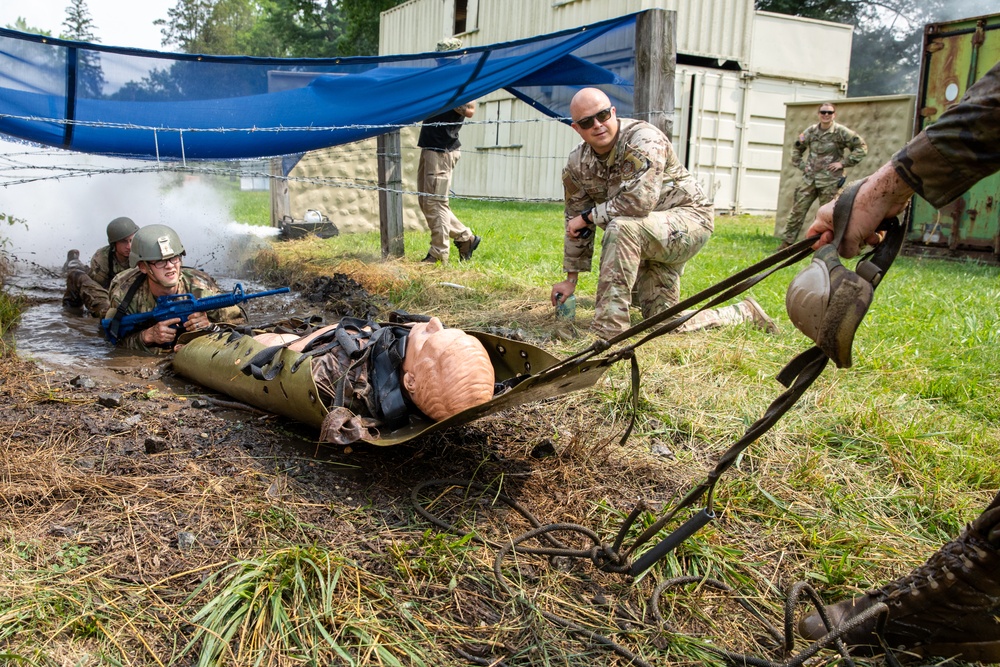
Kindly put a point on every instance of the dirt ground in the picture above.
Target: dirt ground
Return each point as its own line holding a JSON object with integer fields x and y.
{"x": 155, "y": 483}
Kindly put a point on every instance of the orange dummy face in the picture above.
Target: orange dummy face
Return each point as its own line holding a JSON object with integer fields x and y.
{"x": 445, "y": 371}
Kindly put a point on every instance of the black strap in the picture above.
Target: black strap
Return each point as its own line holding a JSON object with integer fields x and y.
{"x": 111, "y": 264}
{"x": 116, "y": 321}
{"x": 797, "y": 376}
{"x": 383, "y": 350}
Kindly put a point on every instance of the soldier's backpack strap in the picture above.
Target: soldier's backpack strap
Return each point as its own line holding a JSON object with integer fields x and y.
{"x": 116, "y": 321}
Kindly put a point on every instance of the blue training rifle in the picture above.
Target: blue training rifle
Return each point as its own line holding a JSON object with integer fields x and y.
{"x": 177, "y": 305}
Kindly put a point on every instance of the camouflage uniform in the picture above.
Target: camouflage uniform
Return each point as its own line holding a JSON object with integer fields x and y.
{"x": 89, "y": 287}
{"x": 192, "y": 281}
{"x": 959, "y": 149}
{"x": 655, "y": 218}
{"x": 824, "y": 147}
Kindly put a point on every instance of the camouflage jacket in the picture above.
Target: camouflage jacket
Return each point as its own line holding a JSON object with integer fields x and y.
{"x": 816, "y": 148}
{"x": 104, "y": 266}
{"x": 959, "y": 149}
{"x": 194, "y": 282}
{"x": 640, "y": 175}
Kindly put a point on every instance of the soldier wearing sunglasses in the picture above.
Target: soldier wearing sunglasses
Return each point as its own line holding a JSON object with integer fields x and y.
{"x": 626, "y": 179}
{"x": 821, "y": 152}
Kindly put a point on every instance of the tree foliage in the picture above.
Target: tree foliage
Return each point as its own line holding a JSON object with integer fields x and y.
{"x": 277, "y": 28}
{"x": 78, "y": 23}
{"x": 885, "y": 54}
{"x": 80, "y": 27}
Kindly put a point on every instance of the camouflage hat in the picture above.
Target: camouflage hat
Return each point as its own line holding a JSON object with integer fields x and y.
{"x": 155, "y": 242}
{"x": 120, "y": 229}
{"x": 449, "y": 44}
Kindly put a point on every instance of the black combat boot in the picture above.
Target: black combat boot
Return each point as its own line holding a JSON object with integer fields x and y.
{"x": 466, "y": 248}
{"x": 948, "y": 607}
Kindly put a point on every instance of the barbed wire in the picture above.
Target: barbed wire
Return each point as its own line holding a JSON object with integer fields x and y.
{"x": 384, "y": 127}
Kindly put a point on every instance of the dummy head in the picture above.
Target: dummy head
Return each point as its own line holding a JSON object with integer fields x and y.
{"x": 445, "y": 371}
{"x": 594, "y": 119}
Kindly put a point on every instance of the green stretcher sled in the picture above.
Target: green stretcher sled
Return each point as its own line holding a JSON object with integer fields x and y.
{"x": 215, "y": 360}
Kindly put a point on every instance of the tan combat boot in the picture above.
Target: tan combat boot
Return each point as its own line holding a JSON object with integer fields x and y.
{"x": 948, "y": 607}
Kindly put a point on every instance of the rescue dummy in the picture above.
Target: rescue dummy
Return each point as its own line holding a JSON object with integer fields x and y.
{"x": 363, "y": 377}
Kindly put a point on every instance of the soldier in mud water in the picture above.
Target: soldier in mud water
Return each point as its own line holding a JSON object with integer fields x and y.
{"x": 950, "y": 606}
{"x": 87, "y": 287}
{"x": 822, "y": 152}
{"x": 625, "y": 178}
{"x": 157, "y": 254}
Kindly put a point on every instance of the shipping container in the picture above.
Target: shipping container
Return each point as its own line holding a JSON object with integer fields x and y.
{"x": 956, "y": 54}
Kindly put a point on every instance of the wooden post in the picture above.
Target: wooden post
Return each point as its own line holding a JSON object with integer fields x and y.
{"x": 280, "y": 205}
{"x": 390, "y": 193}
{"x": 655, "y": 68}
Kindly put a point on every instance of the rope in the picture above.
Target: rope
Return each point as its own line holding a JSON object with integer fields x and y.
{"x": 607, "y": 558}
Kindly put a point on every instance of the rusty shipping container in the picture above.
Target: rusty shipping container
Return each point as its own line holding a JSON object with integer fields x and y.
{"x": 956, "y": 55}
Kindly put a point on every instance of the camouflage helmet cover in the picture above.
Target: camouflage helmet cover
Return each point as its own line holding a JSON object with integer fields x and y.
{"x": 120, "y": 229}
{"x": 154, "y": 242}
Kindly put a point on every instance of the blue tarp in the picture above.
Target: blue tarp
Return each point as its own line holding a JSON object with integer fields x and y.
{"x": 146, "y": 104}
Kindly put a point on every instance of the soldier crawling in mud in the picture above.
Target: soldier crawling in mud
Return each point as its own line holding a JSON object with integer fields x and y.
{"x": 625, "y": 178}
{"x": 821, "y": 152}
{"x": 87, "y": 287}
{"x": 156, "y": 259}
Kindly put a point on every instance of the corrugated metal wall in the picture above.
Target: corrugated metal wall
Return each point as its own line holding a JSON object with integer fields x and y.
{"x": 729, "y": 125}
{"x": 956, "y": 55}
{"x": 884, "y": 122}
{"x": 710, "y": 28}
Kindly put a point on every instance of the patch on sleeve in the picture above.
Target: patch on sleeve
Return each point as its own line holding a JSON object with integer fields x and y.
{"x": 633, "y": 164}
{"x": 569, "y": 186}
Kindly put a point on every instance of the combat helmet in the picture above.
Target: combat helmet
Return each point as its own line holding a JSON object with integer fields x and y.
{"x": 120, "y": 229}
{"x": 154, "y": 242}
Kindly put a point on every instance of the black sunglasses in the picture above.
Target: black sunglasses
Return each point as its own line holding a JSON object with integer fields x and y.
{"x": 587, "y": 122}
{"x": 827, "y": 113}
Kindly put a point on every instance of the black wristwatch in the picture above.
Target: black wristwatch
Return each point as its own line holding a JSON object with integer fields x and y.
{"x": 588, "y": 216}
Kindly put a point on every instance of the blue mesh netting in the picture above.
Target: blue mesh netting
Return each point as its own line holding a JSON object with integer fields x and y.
{"x": 145, "y": 104}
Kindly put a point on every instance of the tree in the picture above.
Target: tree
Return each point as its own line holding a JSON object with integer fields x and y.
{"x": 885, "y": 54}
{"x": 79, "y": 26}
{"x": 361, "y": 25}
{"x": 277, "y": 28}
{"x": 21, "y": 25}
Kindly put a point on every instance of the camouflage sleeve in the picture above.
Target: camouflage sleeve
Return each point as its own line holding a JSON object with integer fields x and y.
{"x": 958, "y": 150}
{"x": 140, "y": 303}
{"x": 643, "y": 162}
{"x": 857, "y": 148}
{"x": 100, "y": 273}
{"x": 798, "y": 149}
{"x": 578, "y": 254}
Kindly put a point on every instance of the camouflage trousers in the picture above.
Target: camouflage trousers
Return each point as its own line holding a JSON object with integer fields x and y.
{"x": 82, "y": 291}
{"x": 645, "y": 256}
{"x": 726, "y": 316}
{"x": 434, "y": 178}
{"x": 805, "y": 195}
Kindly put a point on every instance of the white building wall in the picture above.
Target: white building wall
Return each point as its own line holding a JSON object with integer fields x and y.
{"x": 709, "y": 28}
{"x": 728, "y": 125}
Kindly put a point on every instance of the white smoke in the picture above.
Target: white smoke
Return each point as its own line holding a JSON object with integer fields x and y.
{"x": 63, "y": 211}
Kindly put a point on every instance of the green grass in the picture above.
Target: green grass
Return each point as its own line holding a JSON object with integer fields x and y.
{"x": 866, "y": 476}
{"x": 249, "y": 207}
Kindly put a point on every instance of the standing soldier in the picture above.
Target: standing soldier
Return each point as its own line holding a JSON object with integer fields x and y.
{"x": 88, "y": 287}
{"x": 156, "y": 259}
{"x": 819, "y": 153}
{"x": 439, "y": 153}
{"x": 625, "y": 178}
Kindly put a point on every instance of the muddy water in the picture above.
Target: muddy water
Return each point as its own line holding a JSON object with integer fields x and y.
{"x": 64, "y": 340}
